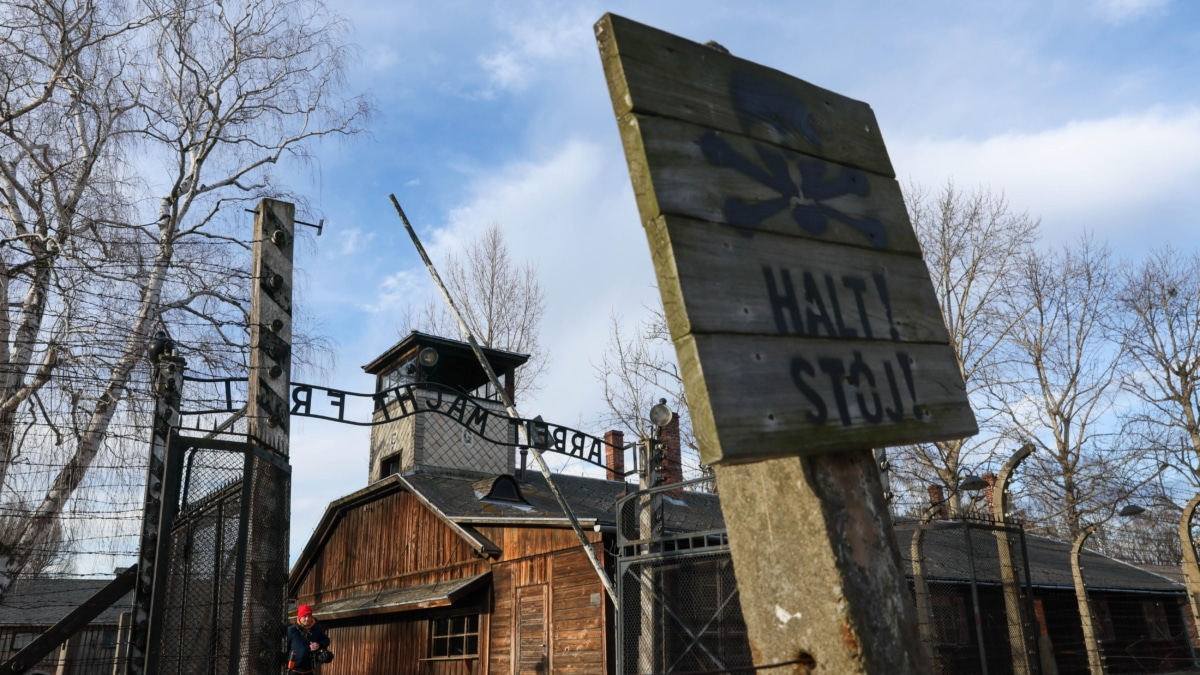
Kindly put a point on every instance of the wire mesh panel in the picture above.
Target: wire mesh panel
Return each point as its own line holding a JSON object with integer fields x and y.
{"x": 226, "y": 587}
{"x": 455, "y": 442}
{"x": 971, "y": 586}
{"x": 679, "y": 607}
{"x": 202, "y": 571}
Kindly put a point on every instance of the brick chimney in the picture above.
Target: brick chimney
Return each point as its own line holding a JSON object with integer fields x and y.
{"x": 614, "y": 454}
{"x": 668, "y": 435}
{"x": 990, "y": 492}
{"x": 937, "y": 500}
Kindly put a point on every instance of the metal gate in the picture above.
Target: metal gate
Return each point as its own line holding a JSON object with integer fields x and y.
{"x": 224, "y": 585}
{"x": 679, "y": 609}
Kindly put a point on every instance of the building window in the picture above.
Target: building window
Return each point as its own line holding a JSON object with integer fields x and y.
{"x": 389, "y": 466}
{"x": 486, "y": 391}
{"x": 109, "y": 639}
{"x": 404, "y": 373}
{"x": 950, "y": 619}
{"x": 22, "y": 640}
{"x": 1102, "y": 619}
{"x": 1156, "y": 620}
{"x": 454, "y": 637}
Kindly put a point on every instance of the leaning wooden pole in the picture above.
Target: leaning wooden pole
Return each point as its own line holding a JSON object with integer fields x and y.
{"x": 510, "y": 407}
{"x": 807, "y": 332}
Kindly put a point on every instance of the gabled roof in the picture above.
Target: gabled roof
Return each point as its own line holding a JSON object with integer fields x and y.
{"x": 377, "y": 490}
{"x": 944, "y": 551}
{"x": 591, "y": 499}
{"x": 43, "y": 601}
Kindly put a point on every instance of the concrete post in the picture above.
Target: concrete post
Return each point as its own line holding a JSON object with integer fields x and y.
{"x": 818, "y": 567}
{"x": 1095, "y": 664}
{"x": 1014, "y": 609}
{"x": 925, "y": 625}
{"x": 1191, "y": 567}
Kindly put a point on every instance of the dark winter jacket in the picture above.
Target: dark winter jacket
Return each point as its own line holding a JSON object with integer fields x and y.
{"x": 300, "y": 657}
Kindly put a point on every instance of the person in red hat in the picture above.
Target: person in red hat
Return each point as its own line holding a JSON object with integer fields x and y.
{"x": 305, "y": 638}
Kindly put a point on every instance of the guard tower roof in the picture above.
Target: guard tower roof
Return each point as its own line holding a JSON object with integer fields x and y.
{"x": 456, "y": 366}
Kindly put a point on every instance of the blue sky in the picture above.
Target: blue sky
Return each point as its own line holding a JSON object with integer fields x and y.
{"x": 1084, "y": 112}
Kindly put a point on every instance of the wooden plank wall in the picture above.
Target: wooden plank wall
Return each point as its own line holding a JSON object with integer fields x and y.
{"x": 408, "y": 545}
{"x": 576, "y": 607}
{"x": 386, "y": 646}
{"x": 411, "y": 546}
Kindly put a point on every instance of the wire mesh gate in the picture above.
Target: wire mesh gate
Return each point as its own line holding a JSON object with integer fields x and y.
{"x": 679, "y": 609}
{"x": 225, "y": 589}
{"x": 973, "y": 592}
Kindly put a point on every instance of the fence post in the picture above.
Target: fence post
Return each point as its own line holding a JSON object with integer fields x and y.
{"x": 1019, "y": 634}
{"x": 266, "y": 517}
{"x": 1095, "y": 663}
{"x": 925, "y": 626}
{"x": 649, "y": 642}
{"x": 1191, "y": 567}
{"x": 158, "y": 508}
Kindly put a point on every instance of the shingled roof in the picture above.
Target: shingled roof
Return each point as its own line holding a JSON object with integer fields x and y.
{"x": 42, "y": 602}
{"x": 593, "y": 501}
{"x": 944, "y": 551}
{"x": 462, "y": 501}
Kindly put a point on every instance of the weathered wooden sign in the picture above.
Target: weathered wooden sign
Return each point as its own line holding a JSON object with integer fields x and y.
{"x": 801, "y": 310}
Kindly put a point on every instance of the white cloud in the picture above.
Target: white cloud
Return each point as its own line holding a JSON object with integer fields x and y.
{"x": 1124, "y": 11}
{"x": 395, "y": 293}
{"x": 535, "y": 39}
{"x": 353, "y": 239}
{"x": 1090, "y": 173}
{"x": 379, "y": 58}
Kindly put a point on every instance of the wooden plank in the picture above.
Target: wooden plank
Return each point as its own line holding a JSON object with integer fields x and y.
{"x": 532, "y": 639}
{"x": 714, "y": 278}
{"x": 585, "y": 612}
{"x": 684, "y": 169}
{"x": 787, "y": 396}
{"x": 650, "y": 71}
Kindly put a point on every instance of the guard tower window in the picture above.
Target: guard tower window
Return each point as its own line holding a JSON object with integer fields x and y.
{"x": 487, "y": 392}
{"x": 404, "y": 373}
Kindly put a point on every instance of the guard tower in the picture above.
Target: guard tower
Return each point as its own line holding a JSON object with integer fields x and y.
{"x": 439, "y": 370}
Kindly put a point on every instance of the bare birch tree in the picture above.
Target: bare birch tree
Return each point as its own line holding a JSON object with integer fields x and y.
{"x": 182, "y": 104}
{"x": 972, "y": 243}
{"x": 1058, "y": 391}
{"x": 501, "y": 300}
{"x": 1160, "y": 329}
